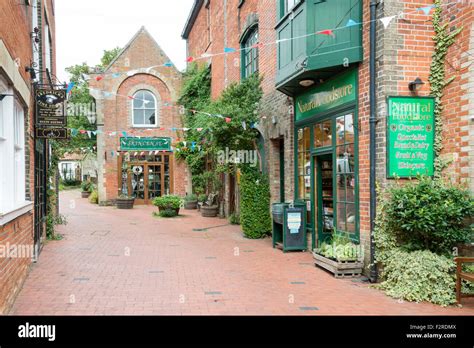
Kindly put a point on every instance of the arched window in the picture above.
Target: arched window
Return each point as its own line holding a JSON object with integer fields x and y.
{"x": 145, "y": 113}
{"x": 250, "y": 53}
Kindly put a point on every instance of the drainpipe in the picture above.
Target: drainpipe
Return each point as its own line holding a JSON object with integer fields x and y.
{"x": 372, "y": 134}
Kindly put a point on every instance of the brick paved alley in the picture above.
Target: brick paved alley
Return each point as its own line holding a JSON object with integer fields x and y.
{"x": 129, "y": 262}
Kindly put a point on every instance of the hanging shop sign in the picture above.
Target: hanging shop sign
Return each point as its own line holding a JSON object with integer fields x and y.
{"x": 145, "y": 144}
{"x": 333, "y": 93}
{"x": 410, "y": 133}
{"x": 50, "y": 107}
{"x": 51, "y": 133}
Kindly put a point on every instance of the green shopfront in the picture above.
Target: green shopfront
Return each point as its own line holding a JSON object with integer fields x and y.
{"x": 326, "y": 163}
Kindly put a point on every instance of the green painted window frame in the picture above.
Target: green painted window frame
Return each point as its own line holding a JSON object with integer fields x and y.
{"x": 283, "y": 8}
{"x": 249, "y": 67}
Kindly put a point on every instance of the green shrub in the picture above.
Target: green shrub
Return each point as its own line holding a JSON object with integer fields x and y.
{"x": 254, "y": 204}
{"x": 94, "y": 197}
{"x": 167, "y": 213}
{"x": 429, "y": 214}
{"x": 168, "y": 202}
{"x": 234, "y": 219}
{"x": 419, "y": 276}
{"x": 191, "y": 198}
{"x": 202, "y": 197}
{"x": 71, "y": 182}
{"x": 87, "y": 186}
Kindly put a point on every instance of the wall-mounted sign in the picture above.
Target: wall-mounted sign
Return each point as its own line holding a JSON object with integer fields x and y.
{"x": 50, "y": 107}
{"x": 328, "y": 95}
{"x": 145, "y": 144}
{"x": 410, "y": 136}
{"x": 51, "y": 133}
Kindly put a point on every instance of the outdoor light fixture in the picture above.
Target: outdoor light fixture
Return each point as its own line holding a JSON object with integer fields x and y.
{"x": 2, "y": 96}
{"x": 415, "y": 85}
{"x": 32, "y": 72}
{"x": 306, "y": 83}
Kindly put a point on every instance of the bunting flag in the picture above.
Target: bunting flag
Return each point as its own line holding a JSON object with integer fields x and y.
{"x": 244, "y": 125}
{"x": 98, "y": 78}
{"x": 229, "y": 50}
{"x": 258, "y": 45}
{"x": 351, "y": 23}
{"x": 206, "y": 55}
{"x": 427, "y": 9}
{"x": 328, "y": 32}
{"x": 168, "y": 64}
{"x": 190, "y": 59}
{"x": 386, "y": 21}
{"x": 116, "y": 75}
{"x": 70, "y": 86}
{"x": 228, "y": 119}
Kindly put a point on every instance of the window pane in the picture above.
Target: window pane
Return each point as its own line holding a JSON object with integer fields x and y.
{"x": 349, "y": 128}
{"x": 340, "y": 187}
{"x": 340, "y": 130}
{"x": 149, "y": 101}
{"x": 350, "y": 217}
{"x": 307, "y": 139}
{"x": 150, "y": 117}
{"x": 318, "y": 135}
{"x": 342, "y": 160}
{"x": 139, "y": 117}
{"x": 341, "y": 217}
{"x": 350, "y": 188}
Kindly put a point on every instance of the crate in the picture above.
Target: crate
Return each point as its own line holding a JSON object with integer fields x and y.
{"x": 340, "y": 269}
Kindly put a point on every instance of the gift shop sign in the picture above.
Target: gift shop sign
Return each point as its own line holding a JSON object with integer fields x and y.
{"x": 410, "y": 133}
{"x": 50, "y": 107}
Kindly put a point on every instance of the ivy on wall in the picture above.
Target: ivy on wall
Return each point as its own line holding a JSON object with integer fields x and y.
{"x": 443, "y": 39}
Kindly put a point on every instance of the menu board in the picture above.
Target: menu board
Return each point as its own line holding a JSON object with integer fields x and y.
{"x": 410, "y": 136}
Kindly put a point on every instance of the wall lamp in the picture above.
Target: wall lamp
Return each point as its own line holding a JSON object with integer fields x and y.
{"x": 32, "y": 72}
{"x": 306, "y": 82}
{"x": 2, "y": 96}
{"x": 415, "y": 85}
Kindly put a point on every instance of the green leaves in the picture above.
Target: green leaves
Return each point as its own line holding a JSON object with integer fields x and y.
{"x": 254, "y": 203}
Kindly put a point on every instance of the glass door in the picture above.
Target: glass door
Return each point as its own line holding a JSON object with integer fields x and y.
{"x": 136, "y": 182}
{"x": 324, "y": 199}
{"x": 155, "y": 182}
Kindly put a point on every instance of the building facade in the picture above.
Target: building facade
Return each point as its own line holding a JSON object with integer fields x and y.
{"x": 137, "y": 120}
{"x": 27, "y": 49}
{"x": 315, "y": 114}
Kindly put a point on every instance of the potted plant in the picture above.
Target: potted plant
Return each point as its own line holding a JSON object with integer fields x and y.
{"x": 168, "y": 202}
{"x": 210, "y": 208}
{"x": 125, "y": 201}
{"x": 190, "y": 201}
{"x": 201, "y": 199}
{"x": 340, "y": 256}
{"x": 87, "y": 188}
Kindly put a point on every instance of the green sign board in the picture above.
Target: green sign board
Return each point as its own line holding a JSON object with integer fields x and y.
{"x": 145, "y": 144}
{"x": 333, "y": 93}
{"x": 410, "y": 136}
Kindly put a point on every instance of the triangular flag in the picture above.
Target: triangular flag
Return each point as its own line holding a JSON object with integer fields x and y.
{"x": 206, "y": 55}
{"x": 73, "y": 131}
{"x": 426, "y": 9}
{"x": 115, "y": 75}
{"x": 98, "y": 78}
{"x": 168, "y": 64}
{"x": 111, "y": 153}
{"x": 130, "y": 97}
{"x": 199, "y": 129}
{"x": 132, "y": 72}
{"x": 244, "y": 125}
{"x": 189, "y": 59}
{"x": 82, "y": 131}
{"x": 386, "y": 21}
{"x": 94, "y": 132}
{"x": 258, "y": 45}
{"x": 351, "y": 23}
{"x": 228, "y": 120}
{"x": 229, "y": 50}
{"x": 89, "y": 133}
{"x": 326, "y": 32}
{"x": 124, "y": 133}
{"x": 70, "y": 86}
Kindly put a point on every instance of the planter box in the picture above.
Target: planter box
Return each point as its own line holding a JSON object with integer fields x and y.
{"x": 125, "y": 203}
{"x": 340, "y": 269}
{"x": 163, "y": 208}
{"x": 190, "y": 205}
{"x": 85, "y": 194}
{"x": 209, "y": 211}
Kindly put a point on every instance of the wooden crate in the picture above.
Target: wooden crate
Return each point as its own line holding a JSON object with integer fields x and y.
{"x": 340, "y": 269}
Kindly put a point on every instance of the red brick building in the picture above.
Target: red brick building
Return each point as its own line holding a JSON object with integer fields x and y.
{"x": 316, "y": 106}
{"x": 137, "y": 124}
{"x": 22, "y": 204}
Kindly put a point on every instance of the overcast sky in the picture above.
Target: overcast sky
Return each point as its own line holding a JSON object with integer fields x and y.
{"x": 87, "y": 27}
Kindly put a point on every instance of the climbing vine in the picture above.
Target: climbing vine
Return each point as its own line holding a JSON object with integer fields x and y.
{"x": 443, "y": 39}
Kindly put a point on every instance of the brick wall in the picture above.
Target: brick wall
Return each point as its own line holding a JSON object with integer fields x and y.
{"x": 115, "y": 110}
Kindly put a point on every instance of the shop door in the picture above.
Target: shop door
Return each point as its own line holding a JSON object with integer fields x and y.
{"x": 324, "y": 197}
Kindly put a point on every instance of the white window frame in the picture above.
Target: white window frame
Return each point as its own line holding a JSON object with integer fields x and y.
{"x": 140, "y": 125}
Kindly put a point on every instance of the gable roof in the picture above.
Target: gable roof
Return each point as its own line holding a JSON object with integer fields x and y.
{"x": 192, "y": 18}
{"x": 142, "y": 30}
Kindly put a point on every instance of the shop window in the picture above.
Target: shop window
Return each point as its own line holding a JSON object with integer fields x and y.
{"x": 250, "y": 53}
{"x": 144, "y": 109}
{"x": 304, "y": 164}
{"x": 345, "y": 174}
{"x": 323, "y": 134}
{"x": 287, "y": 6}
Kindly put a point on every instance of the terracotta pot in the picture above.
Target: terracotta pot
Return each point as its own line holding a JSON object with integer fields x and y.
{"x": 85, "y": 194}
{"x": 125, "y": 203}
{"x": 209, "y": 211}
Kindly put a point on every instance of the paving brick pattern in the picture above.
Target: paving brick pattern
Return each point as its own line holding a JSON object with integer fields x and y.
{"x": 128, "y": 262}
